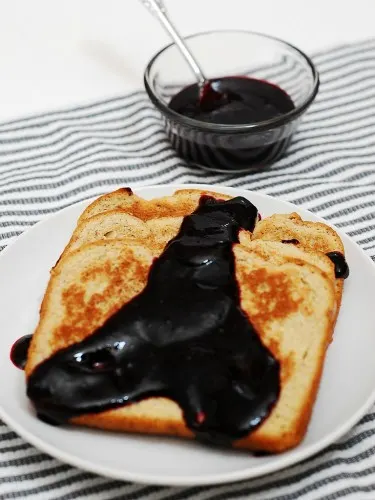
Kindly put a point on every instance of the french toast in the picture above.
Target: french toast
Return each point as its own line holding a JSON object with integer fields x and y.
{"x": 288, "y": 293}
{"x": 291, "y": 229}
{"x": 182, "y": 203}
{"x": 118, "y": 224}
{"x": 123, "y": 214}
{"x": 86, "y": 287}
{"x": 112, "y": 224}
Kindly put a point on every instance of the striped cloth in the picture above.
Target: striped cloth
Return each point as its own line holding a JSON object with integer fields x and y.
{"x": 50, "y": 161}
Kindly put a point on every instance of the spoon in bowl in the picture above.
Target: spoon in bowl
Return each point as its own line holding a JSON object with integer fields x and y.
{"x": 208, "y": 96}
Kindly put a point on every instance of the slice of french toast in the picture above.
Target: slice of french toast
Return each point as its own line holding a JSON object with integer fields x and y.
{"x": 85, "y": 288}
{"x": 109, "y": 225}
{"x": 123, "y": 214}
{"x": 289, "y": 301}
{"x": 181, "y": 203}
{"x": 291, "y": 229}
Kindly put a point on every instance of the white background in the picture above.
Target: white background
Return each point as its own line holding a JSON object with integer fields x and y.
{"x": 58, "y": 53}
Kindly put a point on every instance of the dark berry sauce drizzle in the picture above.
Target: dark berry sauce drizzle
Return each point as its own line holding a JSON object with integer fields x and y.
{"x": 341, "y": 266}
{"x": 184, "y": 337}
{"x": 18, "y": 353}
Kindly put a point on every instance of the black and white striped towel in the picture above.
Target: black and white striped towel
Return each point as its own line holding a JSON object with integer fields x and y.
{"x": 50, "y": 161}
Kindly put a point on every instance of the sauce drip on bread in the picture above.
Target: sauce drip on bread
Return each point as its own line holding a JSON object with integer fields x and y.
{"x": 341, "y": 266}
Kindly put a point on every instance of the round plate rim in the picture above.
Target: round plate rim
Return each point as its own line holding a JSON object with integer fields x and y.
{"x": 285, "y": 461}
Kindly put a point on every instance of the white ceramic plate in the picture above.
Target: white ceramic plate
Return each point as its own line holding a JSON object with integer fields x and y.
{"x": 346, "y": 391}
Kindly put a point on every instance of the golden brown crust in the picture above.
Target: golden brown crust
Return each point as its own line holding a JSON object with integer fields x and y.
{"x": 183, "y": 202}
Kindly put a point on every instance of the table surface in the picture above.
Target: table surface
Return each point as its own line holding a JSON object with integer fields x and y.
{"x": 56, "y": 54}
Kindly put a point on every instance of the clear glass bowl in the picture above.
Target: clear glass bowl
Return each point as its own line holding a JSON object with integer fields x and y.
{"x": 228, "y": 147}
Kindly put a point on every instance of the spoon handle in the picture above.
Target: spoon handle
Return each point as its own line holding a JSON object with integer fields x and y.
{"x": 157, "y": 8}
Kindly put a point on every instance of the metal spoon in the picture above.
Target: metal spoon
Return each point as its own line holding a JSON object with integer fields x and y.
{"x": 207, "y": 93}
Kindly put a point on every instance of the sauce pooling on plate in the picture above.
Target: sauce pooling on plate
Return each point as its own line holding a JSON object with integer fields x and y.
{"x": 184, "y": 337}
{"x": 18, "y": 353}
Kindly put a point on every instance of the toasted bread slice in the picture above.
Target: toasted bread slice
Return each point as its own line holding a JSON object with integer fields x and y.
{"x": 87, "y": 287}
{"x": 122, "y": 199}
{"x": 181, "y": 203}
{"x": 293, "y": 306}
{"x": 123, "y": 214}
{"x": 309, "y": 235}
{"x": 289, "y": 301}
{"x": 277, "y": 253}
{"x": 284, "y": 227}
{"x": 114, "y": 224}
{"x": 163, "y": 229}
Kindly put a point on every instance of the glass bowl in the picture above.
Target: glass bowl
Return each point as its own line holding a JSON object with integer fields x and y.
{"x": 232, "y": 147}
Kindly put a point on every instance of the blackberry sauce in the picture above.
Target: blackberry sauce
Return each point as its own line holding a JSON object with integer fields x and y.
{"x": 341, "y": 266}
{"x": 234, "y": 101}
{"x": 18, "y": 353}
{"x": 184, "y": 337}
